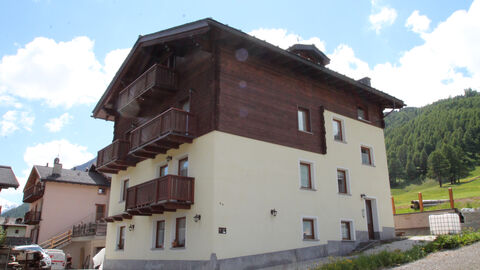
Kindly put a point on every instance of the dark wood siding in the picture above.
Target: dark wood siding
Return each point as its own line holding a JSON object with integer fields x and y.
{"x": 260, "y": 101}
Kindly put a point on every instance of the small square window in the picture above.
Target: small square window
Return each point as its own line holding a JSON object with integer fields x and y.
{"x": 346, "y": 230}
{"x": 306, "y": 175}
{"x": 102, "y": 191}
{"x": 308, "y": 228}
{"x": 304, "y": 120}
{"x": 342, "y": 181}
{"x": 163, "y": 170}
{"x": 337, "y": 130}
{"x": 366, "y": 156}
{"x": 362, "y": 113}
{"x": 160, "y": 234}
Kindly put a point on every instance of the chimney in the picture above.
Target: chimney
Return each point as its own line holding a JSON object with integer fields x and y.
{"x": 365, "y": 80}
{"x": 57, "y": 167}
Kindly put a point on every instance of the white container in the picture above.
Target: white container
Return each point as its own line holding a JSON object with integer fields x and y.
{"x": 57, "y": 257}
{"x": 444, "y": 224}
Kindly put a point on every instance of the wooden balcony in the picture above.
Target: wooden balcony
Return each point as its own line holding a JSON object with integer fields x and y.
{"x": 158, "y": 81}
{"x": 166, "y": 131}
{"x": 167, "y": 193}
{"x": 33, "y": 193}
{"x": 32, "y": 217}
{"x": 113, "y": 158}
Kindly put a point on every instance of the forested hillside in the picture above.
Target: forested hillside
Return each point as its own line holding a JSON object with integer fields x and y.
{"x": 440, "y": 141}
{"x": 18, "y": 211}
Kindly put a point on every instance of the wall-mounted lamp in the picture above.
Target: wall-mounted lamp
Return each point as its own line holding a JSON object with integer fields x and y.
{"x": 131, "y": 227}
{"x": 273, "y": 212}
{"x": 197, "y": 218}
{"x": 169, "y": 158}
{"x": 363, "y": 196}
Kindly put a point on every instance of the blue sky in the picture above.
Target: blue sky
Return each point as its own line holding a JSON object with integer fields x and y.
{"x": 57, "y": 57}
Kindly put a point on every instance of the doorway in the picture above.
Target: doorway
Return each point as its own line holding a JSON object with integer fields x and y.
{"x": 370, "y": 225}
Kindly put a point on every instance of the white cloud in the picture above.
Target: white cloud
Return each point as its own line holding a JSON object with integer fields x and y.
{"x": 9, "y": 101}
{"x": 444, "y": 65}
{"x": 418, "y": 23}
{"x": 70, "y": 154}
{"x": 385, "y": 17}
{"x": 58, "y": 73}
{"x": 14, "y": 120}
{"x": 282, "y": 39}
{"x": 56, "y": 124}
{"x": 343, "y": 59}
{"x": 7, "y": 205}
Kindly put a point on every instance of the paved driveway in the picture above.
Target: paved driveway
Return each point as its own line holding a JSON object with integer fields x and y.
{"x": 465, "y": 258}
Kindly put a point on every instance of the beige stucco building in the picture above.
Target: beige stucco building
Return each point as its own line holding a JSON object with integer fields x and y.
{"x": 270, "y": 167}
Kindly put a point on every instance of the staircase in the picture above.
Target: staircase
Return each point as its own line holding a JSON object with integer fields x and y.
{"x": 58, "y": 241}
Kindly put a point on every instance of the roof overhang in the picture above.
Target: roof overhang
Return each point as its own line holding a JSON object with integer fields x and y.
{"x": 105, "y": 110}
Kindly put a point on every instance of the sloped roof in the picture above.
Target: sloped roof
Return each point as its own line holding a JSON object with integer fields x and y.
{"x": 313, "y": 51}
{"x": 203, "y": 26}
{"x": 72, "y": 176}
{"x": 7, "y": 177}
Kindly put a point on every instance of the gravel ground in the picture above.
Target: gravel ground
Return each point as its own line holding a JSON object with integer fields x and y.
{"x": 465, "y": 258}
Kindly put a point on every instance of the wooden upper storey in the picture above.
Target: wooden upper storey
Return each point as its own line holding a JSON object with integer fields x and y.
{"x": 183, "y": 82}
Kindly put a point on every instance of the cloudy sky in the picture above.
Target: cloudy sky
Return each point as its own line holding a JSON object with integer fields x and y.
{"x": 57, "y": 57}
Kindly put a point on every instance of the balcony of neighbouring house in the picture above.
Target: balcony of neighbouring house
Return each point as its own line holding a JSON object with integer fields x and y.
{"x": 164, "y": 194}
{"x": 90, "y": 229}
{"x": 32, "y": 217}
{"x": 33, "y": 193}
{"x": 113, "y": 158}
{"x": 166, "y": 131}
{"x": 157, "y": 82}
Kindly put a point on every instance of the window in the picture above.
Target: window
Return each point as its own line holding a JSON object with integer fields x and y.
{"x": 160, "y": 234}
{"x": 183, "y": 167}
{"x": 16, "y": 231}
{"x": 337, "y": 130}
{"x": 346, "y": 227}
{"x": 124, "y": 190}
{"x": 121, "y": 238}
{"x": 163, "y": 170}
{"x": 362, "y": 113}
{"x": 303, "y": 120}
{"x": 185, "y": 105}
{"x": 305, "y": 175}
{"x": 366, "y": 156}
{"x": 100, "y": 213}
{"x": 342, "y": 181}
{"x": 179, "y": 232}
{"x": 102, "y": 191}
{"x": 308, "y": 228}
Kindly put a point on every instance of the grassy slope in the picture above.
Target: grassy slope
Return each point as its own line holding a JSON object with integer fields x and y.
{"x": 467, "y": 188}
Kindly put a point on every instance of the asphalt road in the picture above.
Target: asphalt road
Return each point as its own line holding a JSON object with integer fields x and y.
{"x": 465, "y": 258}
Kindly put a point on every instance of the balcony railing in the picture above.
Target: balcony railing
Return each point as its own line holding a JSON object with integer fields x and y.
{"x": 32, "y": 217}
{"x": 157, "y": 77}
{"x": 90, "y": 229}
{"x": 113, "y": 157}
{"x": 168, "y": 192}
{"x": 173, "y": 126}
{"x": 33, "y": 193}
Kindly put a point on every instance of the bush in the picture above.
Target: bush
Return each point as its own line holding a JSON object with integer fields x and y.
{"x": 397, "y": 257}
{"x": 3, "y": 236}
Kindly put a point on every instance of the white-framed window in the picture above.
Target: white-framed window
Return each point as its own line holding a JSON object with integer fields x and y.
{"x": 121, "y": 232}
{"x": 343, "y": 181}
{"x": 347, "y": 230}
{"x": 338, "y": 130}
{"x": 306, "y": 170}
{"x": 367, "y": 155}
{"x": 124, "y": 188}
{"x": 309, "y": 228}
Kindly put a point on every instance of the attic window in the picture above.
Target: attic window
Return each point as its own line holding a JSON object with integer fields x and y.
{"x": 101, "y": 191}
{"x": 362, "y": 113}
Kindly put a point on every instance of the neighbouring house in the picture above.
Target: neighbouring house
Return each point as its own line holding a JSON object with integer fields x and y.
{"x": 66, "y": 210}
{"x": 15, "y": 231}
{"x": 7, "y": 179}
{"x": 231, "y": 153}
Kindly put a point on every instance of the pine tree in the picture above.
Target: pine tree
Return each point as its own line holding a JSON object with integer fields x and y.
{"x": 438, "y": 167}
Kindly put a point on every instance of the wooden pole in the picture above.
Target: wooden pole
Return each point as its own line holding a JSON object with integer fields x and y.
{"x": 450, "y": 194}
{"x": 420, "y": 201}
{"x": 393, "y": 206}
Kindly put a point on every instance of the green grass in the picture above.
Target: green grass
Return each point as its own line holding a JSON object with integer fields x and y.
{"x": 394, "y": 258}
{"x": 468, "y": 188}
